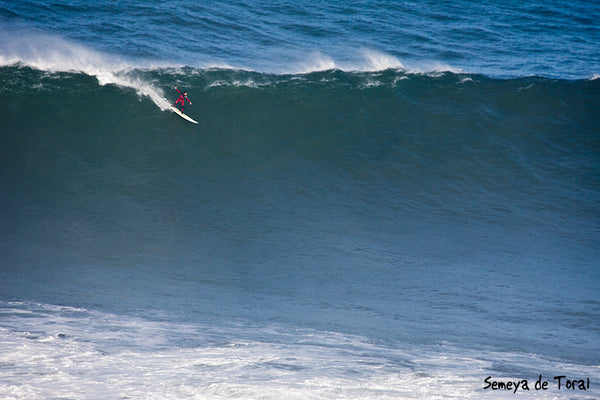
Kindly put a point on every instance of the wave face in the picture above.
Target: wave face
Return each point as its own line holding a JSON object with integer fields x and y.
{"x": 317, "y": 171}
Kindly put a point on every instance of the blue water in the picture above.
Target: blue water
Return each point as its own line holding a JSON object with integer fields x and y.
{"x": 381, "y": 201}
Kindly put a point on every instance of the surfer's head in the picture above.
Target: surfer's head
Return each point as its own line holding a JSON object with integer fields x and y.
{"x": 185, "y": 93}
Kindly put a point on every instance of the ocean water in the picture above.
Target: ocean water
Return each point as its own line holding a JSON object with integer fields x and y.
{"x": 381, "y": 200}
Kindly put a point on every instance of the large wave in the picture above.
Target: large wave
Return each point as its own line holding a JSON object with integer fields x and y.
{"x": 420, "y": 138}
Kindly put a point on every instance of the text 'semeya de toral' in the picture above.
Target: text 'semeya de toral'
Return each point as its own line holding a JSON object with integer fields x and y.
{"x": 561, "y": 382}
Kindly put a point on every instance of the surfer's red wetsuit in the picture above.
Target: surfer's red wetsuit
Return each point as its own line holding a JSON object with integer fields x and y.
{"x": 182, "y": 98}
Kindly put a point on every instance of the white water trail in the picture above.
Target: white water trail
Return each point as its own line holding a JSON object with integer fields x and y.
{"x": 54, "y": 54}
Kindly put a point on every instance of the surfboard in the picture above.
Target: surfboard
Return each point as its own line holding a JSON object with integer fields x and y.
{"x": 182, "y": 115}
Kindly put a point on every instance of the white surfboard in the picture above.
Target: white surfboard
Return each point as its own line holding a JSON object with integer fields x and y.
{"x": 182, "y": 115}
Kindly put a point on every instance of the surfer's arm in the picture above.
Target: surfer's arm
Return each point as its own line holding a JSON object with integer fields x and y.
{"x": 177, "y": 90}
{"x": 188, "y": 100}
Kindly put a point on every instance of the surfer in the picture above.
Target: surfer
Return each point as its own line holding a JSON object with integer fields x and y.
{"x": 182, "y": 98}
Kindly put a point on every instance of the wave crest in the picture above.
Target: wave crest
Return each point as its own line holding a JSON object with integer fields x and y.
{"x": 54, "y": 54}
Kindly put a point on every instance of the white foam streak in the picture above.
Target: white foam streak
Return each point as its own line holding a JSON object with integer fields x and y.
{"x": 54, "y": 54}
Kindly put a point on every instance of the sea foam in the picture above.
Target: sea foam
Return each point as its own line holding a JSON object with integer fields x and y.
{"x": 72, "y": 353}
